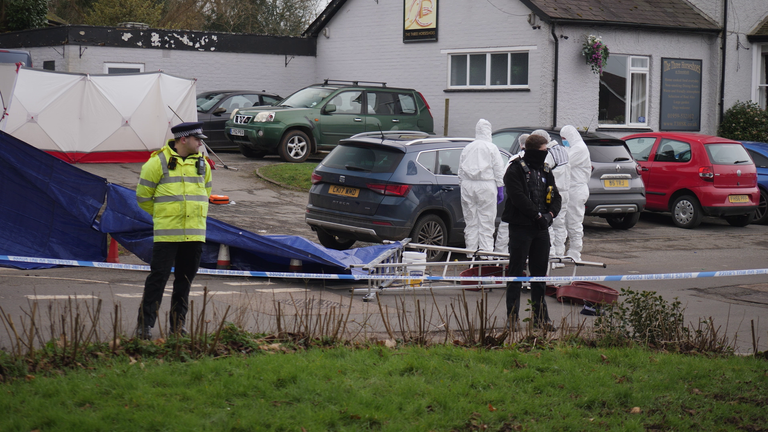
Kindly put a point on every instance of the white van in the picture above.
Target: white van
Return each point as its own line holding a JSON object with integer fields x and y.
{"x": 15, "y": 56}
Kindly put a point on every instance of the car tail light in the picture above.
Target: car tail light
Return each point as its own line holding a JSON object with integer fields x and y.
{"x": 706, "y": 173}
{"x": 426, "y": 103}
{"x": 593, "y": 168}
{"x": 316, "y": 178}
{"x": 382, "y": 223}
{"x": 390, "y": 189}
{"x": 638, "y": 168}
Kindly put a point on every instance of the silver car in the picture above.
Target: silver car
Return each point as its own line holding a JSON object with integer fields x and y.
{"x": 616, "y": 189}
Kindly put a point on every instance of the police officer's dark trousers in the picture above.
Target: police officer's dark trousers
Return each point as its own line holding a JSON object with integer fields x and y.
{"x": 532, "y": 243}
{"x": 186, "y": 257}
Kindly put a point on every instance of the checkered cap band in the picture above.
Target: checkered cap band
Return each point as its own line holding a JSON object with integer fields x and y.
{"x": 184, "y": 133}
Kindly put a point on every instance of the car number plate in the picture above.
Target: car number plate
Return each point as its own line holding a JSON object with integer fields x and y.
{"x": 237, "y": 132}
{"x": 615, "y": 183}
{"x": 738, "y": 198}
{"x": 344, "y": 190}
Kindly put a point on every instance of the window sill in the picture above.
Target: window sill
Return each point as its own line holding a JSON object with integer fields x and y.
{"x": 623, "y": 129}
{"x": 486, "y": 90}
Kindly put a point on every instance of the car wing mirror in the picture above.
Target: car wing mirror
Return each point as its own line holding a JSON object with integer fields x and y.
{"x": 219, "y": 110}
{"x": 330, "y": 108}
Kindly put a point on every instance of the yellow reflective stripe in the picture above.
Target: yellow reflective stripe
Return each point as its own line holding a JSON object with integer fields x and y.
{"x": 181, "y": 179}
{"x": 179, "y": 232}
{"x": 177, "y": 198}
{"x": 147, "y": 183}
{"x": 163, "y": 163}
{"x": 209, "y": 185}
{"x": 169, "y": 198}
{"x": 166, "y": 180}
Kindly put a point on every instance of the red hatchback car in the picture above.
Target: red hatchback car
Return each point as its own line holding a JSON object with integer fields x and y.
{"x": 692, "y": 175}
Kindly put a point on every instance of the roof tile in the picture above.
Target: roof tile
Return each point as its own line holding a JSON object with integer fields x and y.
{"x": 761, "y": 29}
{"x": 664, "y": 13}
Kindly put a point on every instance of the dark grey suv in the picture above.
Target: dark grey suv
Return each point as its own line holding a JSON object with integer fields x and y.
{"x": 215, "y": 107}
{"x": 388, "y": 186}
{"x": 616, "y": 189}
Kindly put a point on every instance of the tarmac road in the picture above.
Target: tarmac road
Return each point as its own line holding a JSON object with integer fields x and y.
{"x": 654, "y": 245}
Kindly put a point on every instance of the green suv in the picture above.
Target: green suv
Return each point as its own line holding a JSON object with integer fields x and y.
{"x": 315, "y": 118}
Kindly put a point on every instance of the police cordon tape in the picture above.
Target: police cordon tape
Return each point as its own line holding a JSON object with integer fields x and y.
{"x": 289, "y": 275}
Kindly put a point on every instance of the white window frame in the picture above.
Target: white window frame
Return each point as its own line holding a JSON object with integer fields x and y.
{"x": 758, "y": 51}
{"x": 488, "y": 51}
{"x": 628, "y": 91}
{"x": 139, "y": 66}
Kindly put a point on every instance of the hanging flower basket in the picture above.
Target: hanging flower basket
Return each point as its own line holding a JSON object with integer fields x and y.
{"x": 596, "y": 53}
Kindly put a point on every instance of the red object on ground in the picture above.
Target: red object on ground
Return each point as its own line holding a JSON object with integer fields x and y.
{"x": 218, "y": 199}
{"x": 481, "y": 271}
{"x": 578, "y": 292}
{"x": 551, "y": 291}
{"x": 113, "y": 255}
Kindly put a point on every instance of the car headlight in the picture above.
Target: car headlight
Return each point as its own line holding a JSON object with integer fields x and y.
{"x": 264, "y": 116}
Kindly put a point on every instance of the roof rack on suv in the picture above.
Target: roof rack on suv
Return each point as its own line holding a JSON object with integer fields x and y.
{"x": 354, "y": 83}
{"x": 440, "y": 139}
{"x": 393, "y": 134}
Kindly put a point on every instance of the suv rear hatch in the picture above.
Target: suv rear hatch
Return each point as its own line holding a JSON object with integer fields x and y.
{"x": 731, "y": 166}
{"x": 612, "y": 163}
{"x": 354, "y": 178}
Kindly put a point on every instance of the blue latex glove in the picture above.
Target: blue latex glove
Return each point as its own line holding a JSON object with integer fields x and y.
{"x": 500, "y": 195}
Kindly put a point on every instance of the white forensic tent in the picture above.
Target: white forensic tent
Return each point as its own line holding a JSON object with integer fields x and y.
{"x": 95, "y": 118}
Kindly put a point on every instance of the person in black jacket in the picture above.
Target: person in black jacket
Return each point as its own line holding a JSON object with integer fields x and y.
{"x": 532, "y": 202}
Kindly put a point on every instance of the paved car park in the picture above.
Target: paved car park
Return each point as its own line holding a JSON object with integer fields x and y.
{"x": 654, "y": 245}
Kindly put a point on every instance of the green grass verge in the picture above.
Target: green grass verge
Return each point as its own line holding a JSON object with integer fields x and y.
{"x": 439, "y": 388}
{"x": 295, "y": 175}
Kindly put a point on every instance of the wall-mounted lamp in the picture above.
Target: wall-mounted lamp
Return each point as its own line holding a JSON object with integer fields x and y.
{"x": 563, "y": 37}
{"x": 326, "y": 32}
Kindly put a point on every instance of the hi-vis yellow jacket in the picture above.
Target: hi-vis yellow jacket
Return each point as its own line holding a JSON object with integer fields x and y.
{"x": 176, "y": 198}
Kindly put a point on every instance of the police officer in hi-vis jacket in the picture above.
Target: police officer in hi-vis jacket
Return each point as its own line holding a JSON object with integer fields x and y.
{"x": 174, "y": 187}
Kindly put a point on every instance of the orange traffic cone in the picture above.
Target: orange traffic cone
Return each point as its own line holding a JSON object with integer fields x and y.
{"x": 222, "y": 262}
{"x": 112, "y": 256}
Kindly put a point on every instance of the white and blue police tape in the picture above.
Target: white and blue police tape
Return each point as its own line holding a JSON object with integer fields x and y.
{"x": 287, "y": 275}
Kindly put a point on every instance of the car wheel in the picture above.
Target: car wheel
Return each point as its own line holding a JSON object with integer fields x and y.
{"x": 334, "y": 242}
{"x": 686, "y": 212}
{"x": 250, "y": 153}
{"x": 625, "y": 221}
{"x": 761, "y": 214}
{"x": 294, "y": 147}
{"x": 430, "y": 230}
{"x": 740, "y": 220}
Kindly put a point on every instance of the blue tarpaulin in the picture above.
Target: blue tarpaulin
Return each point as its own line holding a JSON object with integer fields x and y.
{"x": 47, "y": 206}
{"x": 50, "y": 209}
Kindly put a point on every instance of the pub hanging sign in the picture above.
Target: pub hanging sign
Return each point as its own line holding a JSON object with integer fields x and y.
{"x": 420, "y": 22}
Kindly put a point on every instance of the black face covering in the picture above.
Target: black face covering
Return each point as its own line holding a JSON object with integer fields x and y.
{"x": 535, "y": 158}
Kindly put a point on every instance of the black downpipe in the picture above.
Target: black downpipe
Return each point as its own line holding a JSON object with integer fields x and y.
{"x": 722, "y": 71}
{"x": 557, "y": 57}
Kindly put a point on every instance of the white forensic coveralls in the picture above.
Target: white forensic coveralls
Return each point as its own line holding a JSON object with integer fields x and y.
{"x": 557, "y": 159}
{"x": 581, "y": 170}
{"x": 481, "y": 173}
{"x": 502, "y": 234}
